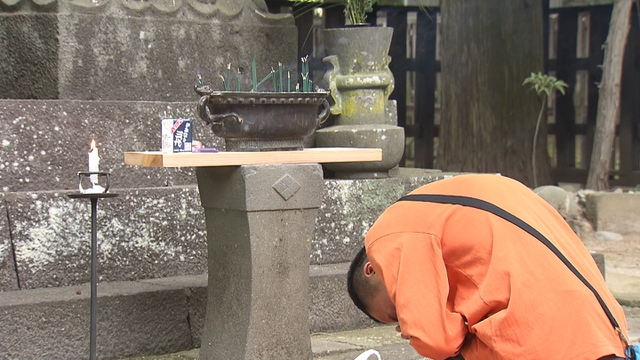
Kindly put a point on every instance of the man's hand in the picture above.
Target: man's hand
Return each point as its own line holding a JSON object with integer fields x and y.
{"x": 407, "y": 337}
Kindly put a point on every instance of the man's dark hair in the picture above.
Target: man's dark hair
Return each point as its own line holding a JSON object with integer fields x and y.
{"x": 357, "y": 285}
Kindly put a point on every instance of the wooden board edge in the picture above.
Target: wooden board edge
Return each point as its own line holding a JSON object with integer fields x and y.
{"x": 309, "y": 155}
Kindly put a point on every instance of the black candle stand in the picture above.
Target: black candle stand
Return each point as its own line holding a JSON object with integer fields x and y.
{"x": 93, "y": 196}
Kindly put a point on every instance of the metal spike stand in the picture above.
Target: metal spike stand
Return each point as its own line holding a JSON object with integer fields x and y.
{"x": 93, "y": 196}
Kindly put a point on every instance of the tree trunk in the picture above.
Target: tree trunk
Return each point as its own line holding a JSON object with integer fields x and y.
{"x": 609, "y": 98}
{"x": 488, "y": 118}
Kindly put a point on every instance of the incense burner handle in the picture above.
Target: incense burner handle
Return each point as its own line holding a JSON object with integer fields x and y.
{"x": 209, "y": 118}
{"x": 324, "y": 113}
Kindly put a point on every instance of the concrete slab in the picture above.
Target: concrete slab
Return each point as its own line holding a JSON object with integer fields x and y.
{"x": 615, "y": 212}
{"x": 323, "y": 347}
{"x": 343, "y": 345}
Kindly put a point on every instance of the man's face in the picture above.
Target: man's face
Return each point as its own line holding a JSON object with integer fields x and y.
{"x": 380, "y": 305}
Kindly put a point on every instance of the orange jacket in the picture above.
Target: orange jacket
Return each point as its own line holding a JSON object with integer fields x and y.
{"x": 463, "y": 279}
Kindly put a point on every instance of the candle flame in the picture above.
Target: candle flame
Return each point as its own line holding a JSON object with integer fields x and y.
{"x": 92, "y": 145}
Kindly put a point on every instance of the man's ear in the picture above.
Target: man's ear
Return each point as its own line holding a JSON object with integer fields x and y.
{"x": 367, "y": 269}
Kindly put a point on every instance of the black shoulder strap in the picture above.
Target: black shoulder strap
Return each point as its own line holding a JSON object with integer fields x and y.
{"x": 489, "y": 207}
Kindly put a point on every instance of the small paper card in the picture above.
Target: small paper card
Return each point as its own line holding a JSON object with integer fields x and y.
{"x": 177, "y": 135}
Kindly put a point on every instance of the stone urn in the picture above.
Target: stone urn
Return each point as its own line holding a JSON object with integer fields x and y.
{"x": 263, "y": 121}
{"x": 360, "y": 83}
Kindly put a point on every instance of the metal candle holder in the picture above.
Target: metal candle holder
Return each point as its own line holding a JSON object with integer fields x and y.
{"x": 93, "y": 193}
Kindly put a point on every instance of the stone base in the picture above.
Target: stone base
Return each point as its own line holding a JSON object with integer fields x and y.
{"x": 389, "y": 138}
{"x": 363, "y": 175}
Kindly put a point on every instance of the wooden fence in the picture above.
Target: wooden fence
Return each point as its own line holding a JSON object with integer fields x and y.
{"x": 573, "y": 48}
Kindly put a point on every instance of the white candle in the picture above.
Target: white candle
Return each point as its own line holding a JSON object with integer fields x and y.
{"x": 94, "y": 161}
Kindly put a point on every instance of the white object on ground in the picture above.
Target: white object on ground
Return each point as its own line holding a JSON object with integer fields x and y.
{"x": 365, "y": 355}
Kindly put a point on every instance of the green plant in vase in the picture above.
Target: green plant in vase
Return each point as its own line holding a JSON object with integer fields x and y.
{"x": 356, "y": 10}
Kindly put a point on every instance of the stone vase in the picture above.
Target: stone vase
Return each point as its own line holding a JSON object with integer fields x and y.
{"x": 360, "y": 83}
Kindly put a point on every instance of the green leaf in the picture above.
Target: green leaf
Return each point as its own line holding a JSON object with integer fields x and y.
{"x": 543, "y": 84}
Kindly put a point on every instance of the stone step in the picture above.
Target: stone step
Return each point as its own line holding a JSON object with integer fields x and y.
{"x": 153, "y": 316}
{"x": 156, "y": 316}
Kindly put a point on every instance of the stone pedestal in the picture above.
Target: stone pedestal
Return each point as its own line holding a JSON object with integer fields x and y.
{"x": 260, "y": 222}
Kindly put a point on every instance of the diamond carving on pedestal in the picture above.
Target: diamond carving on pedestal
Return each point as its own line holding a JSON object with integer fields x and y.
{"x": 286, "y": 186}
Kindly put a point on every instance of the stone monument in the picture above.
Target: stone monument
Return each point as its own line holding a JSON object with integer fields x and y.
{"x": 73, "y": 70}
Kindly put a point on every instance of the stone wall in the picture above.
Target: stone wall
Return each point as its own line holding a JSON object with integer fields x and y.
{"x": 130, "y": 50}
{"x": 160, "y": 232}
{"x": 75, "y": 70}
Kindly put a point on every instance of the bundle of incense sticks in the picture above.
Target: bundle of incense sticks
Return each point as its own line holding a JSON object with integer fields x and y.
{"x": 276, "y": 76}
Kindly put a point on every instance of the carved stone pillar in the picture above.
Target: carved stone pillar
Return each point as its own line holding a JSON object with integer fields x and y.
{"x": 260, "y": 221}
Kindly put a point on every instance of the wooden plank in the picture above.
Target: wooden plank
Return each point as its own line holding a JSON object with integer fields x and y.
{"x": 228, "y": 158}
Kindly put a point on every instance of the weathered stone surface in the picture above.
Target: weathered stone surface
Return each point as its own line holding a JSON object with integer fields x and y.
{"x": 8, "y": 277}
{"x": 142, "y": 317}
{"x": 350, "y": 207}
{"x": 113, "y": 58}
{"x": 614, "y": 212}
{"x": 146, "y": 233}
{"x": 197, "y": 302}
{"x": 348, "y": 210}
{"x": 45, "y": 143}
{"x": 264, "y": 187}
{"x": 29, "y": 56}
{"x": 158, "y": 232}
{"x": 569, "y": 205}
{"x": 561, "y": 200}
{"x": 330, "y": 306}
{"x": 259, "y": 237}
{"x": 389, "y": 138}
{"x": 113, "y": 50}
